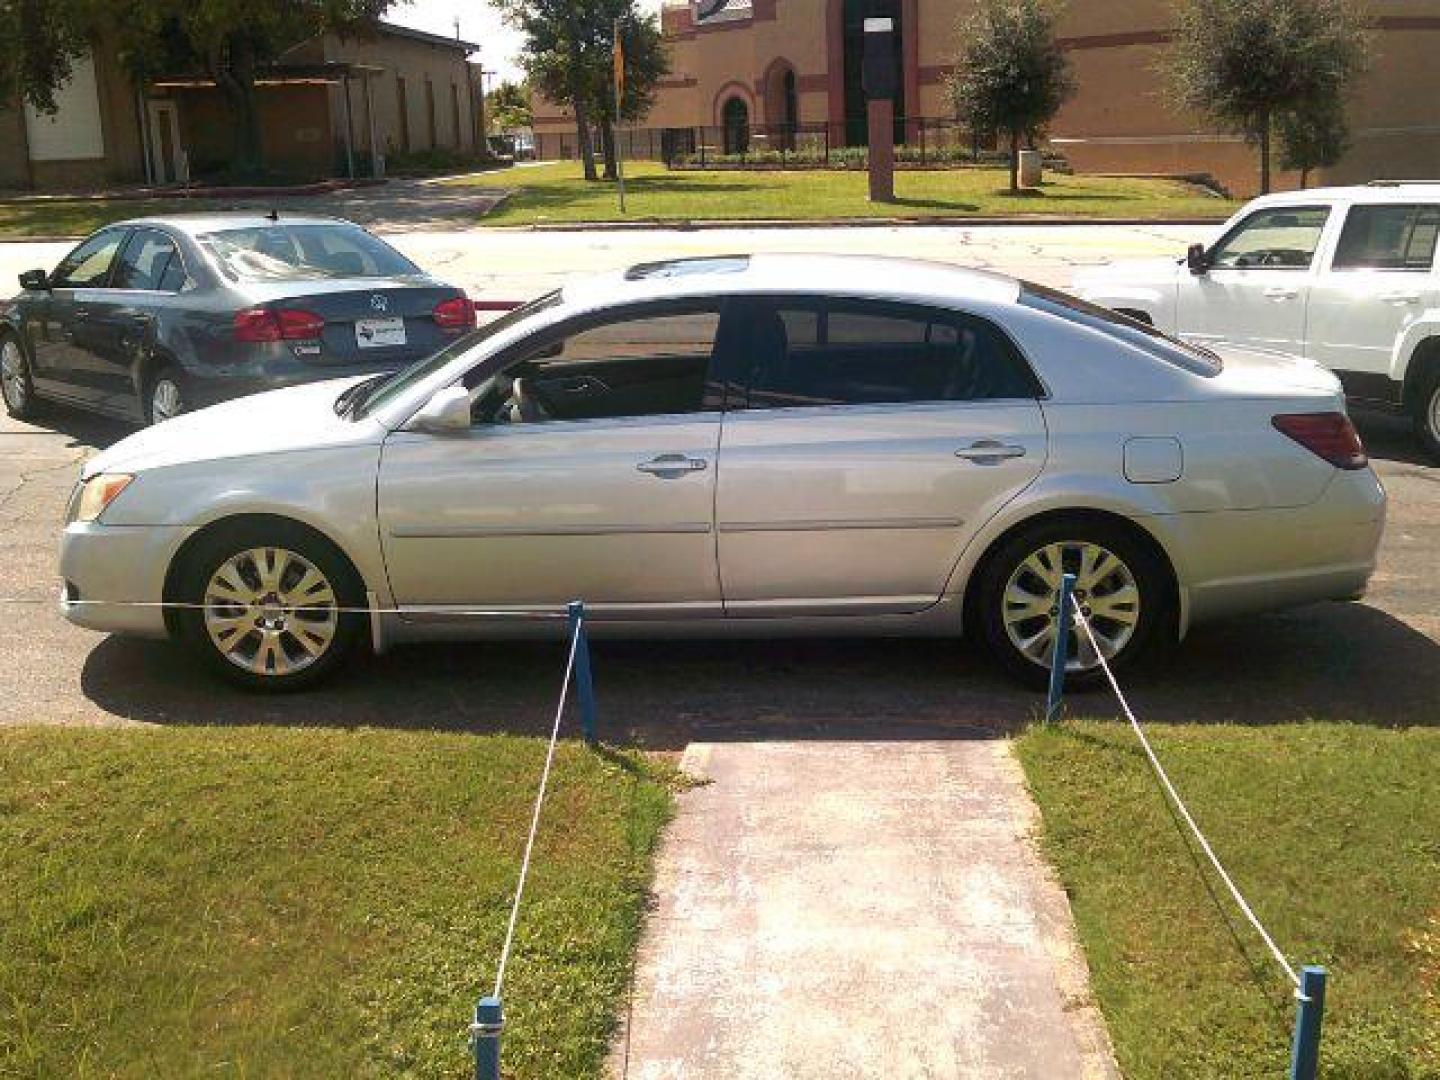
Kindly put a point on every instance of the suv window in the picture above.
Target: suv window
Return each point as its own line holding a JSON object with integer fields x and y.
{"x": 88, "y": 266}
{"x": 1281, "y": 238}
{"x": 149, "y": 261}
{"x": 643, "y": 364}
{"x": 861, "y": 352}
{"x": 1389, "y": 237}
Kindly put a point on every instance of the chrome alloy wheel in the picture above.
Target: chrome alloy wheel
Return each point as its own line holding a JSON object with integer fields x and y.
{"x": 1432, "y": 412}
{"x": 165, "y": 401}
{"x": 12, "y": 376}
{"x": 1105, "y": 590}
{"x": 270, "y": 611}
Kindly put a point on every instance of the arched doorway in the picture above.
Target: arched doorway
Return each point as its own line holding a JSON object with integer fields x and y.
{"x": 735, "y": 126}
{"x": 782, "y": 105}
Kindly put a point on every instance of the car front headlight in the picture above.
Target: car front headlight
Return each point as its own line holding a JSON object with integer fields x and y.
{"x": 99, "y": 492}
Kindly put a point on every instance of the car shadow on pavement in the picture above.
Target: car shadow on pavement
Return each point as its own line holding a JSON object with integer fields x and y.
{"x": 1343, "y": 662}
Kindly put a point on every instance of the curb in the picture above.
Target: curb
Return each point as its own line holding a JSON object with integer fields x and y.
{"x": 839, "y": 223}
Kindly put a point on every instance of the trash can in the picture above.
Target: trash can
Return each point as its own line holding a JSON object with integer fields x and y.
{"x": 1030, "y": 167}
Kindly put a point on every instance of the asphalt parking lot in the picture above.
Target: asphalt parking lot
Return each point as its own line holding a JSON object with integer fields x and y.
{"x": 1377, "y": 661}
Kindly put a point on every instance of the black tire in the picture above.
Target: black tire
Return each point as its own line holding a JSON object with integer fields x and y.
{"x": 168, "y": 376}
{"x": 17, "y": 387}
{"x": 215, "y": 551}
{"x": 1145, "y": 569}
{"x": 1426, "y": 415}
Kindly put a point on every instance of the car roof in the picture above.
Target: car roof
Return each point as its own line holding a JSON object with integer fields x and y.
{"x": 1380, "y": 191}
{"x": 881, "y": 277}
{"x": 200, "y": 222}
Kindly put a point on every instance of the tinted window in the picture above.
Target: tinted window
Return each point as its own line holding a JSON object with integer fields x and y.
{"x": 149, "y": 261}
{"x": 284, "y": 252}
{"x": 856, "y": 352}
{"x": 88, "y": 266}
{"x": 1388, "y": 238}
{"x": 1284, "y": 238}
{"x": 643, "y": 365}
{"x": 1142, "y": 336}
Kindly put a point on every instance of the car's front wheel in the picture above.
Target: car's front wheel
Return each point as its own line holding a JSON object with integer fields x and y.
{"x": 15, "y": 384}
{"x": 1120, "y": 587}
{"x": 266, "y": 606}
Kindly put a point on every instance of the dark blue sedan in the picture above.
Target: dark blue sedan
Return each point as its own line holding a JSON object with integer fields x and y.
{"x": 152, "y": 317}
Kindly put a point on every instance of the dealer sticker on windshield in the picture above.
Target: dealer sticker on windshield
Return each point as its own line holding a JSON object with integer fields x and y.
{"x": 376, "y": 333}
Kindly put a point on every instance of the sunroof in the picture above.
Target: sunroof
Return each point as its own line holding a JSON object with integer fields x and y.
{"x": 673, "y": 268}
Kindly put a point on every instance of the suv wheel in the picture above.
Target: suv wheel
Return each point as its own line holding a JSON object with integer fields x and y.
{"x": 1120, "y": 587}
{"x": 1427, "y": 414}
{"x": 15, "y": 384}
{"x": 266, "y": 607}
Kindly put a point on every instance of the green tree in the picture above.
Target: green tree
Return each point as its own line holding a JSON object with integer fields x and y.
{"x": 1315, "y": 136}
{"x": 568, "y": 56}
{"x": 1011, "y": 74}
{"x": 227, "y": 39}
{"x": 1248, "y": 63}
{"x": 508, "y": 106}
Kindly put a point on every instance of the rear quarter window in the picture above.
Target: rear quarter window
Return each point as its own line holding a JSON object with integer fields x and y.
{"x": 1146, "y": 338}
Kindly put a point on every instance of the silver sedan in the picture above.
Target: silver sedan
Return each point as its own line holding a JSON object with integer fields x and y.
{"x": 755, "y": 446}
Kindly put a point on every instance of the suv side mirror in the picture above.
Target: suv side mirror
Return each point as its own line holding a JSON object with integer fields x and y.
{"x": 35, "y": 280}
{"x": 1197, "y": 259}
{"x": 447, "y": 412}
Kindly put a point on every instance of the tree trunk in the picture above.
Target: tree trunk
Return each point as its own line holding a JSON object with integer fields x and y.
{"x": 582, "y": 136}
{"x": 234, "y": 72}
{"x": 1265, "y": 154}
{"x": 1014, "y": 162}
{"x": 607, "y": 148}
{"x": 1305, "y": 178}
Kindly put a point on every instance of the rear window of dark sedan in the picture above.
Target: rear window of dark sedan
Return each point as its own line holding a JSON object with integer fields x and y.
{"x": 1143, "y": 336}
{"x": 285, "y": 252}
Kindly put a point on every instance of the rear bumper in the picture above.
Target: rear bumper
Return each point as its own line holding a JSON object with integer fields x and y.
{"x": 1237, "y": 562}
{"x": 210, "y": 386}
{"x": 114, "y": 574}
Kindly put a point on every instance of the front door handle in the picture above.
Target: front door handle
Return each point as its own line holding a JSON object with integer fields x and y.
{"x": 1281, "y": 292}
{"x": 989, "y": 452}
{"x": 673, "y": 466}
{"x": 1399, "y": 298}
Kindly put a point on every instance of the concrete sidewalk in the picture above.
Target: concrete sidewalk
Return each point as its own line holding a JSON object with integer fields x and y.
{"x": 858, "y": 909}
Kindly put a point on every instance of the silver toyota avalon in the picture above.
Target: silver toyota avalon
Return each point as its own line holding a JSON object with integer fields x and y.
{"x": 750, "y": 445}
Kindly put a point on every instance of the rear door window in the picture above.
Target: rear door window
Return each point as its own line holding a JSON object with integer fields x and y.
{"x": 1388, "y": 237}
{"x": 150, "y": 261}
{"x": 818, "y": 352}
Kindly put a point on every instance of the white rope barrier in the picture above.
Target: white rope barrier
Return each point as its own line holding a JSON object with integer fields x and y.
{"x": 1174, "y": 795}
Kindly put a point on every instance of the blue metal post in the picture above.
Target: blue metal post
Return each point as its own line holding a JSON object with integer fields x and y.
{"x": 1305, "y": 1051}
{"x": 489, "y": 1022}
{"x": 1062, "y": 649}
{"x": 584, "y": 686}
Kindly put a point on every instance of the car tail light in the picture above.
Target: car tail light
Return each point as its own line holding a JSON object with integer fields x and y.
{"x": 1329, "y": 435}
{"x": 266, "y": 324}
{"x": 457, "y": 313}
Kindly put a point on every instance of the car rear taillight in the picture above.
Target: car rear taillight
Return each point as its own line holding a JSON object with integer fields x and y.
{"x": 457, "y": 313}
{"x": 1329, "y": 435}
{"x": 265, "y": 324}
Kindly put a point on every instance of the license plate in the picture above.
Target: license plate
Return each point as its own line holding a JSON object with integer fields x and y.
{"x": 378, "y": 333}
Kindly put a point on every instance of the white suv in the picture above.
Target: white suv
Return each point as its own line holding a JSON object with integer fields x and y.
{"x": 1344, "y": 276}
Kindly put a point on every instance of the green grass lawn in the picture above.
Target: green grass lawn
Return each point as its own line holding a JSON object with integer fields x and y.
{"x": 78, "y": 217}
{"x": 248, "y": 902}
{"x": 1333, "y": 832}
{"x": 557, "y": 193}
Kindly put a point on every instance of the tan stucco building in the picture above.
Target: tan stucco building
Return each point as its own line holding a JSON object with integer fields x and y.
{"x": 326, "y": 108}
{"x": 796, "y": 62}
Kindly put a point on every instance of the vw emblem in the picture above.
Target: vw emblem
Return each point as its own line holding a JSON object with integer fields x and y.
{"x": 379, "y": 303}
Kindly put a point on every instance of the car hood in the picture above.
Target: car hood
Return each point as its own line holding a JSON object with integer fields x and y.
{"x": 295, "y": 418}
{"x": 1130, "y": 271}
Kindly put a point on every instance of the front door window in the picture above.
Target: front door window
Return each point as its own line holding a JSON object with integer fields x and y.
{"x": 1281, "y": 239}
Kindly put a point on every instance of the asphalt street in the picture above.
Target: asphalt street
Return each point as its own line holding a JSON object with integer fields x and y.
{"x": 1374, "y": 661}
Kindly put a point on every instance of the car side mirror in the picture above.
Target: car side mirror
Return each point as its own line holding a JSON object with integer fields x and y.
{"x": 35, "y": 280}
{"x": 1197, "y": 259}
{"x": 446, "y": 413}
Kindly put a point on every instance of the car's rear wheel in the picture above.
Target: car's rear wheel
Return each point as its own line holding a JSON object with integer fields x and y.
{"x": 1427, "y": 414}
{"x": 265, "y": 606}
{"x": 164, "y": 398}
{"x": 1121, "y": 588}
{"x": 15, "y": 383}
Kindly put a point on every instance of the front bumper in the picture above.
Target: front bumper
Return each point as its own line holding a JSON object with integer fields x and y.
{"x": 114, "y": 575}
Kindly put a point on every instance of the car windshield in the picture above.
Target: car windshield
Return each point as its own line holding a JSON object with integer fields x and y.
{"x": 303, "y": 252}
{"x": 370, "y": 396}
{"x": 1143, "y": 336}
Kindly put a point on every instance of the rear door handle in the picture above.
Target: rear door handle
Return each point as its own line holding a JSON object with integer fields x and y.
{"x": 989, "y": 452}
{"x": 673, "y": 466}
{"x": 1399, "y": 298}
{"x": 1281, "y": 292}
